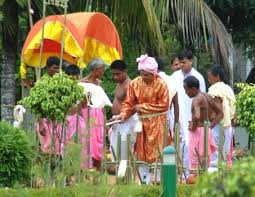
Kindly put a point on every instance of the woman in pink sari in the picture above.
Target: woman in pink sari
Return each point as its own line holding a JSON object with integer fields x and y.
{"x": 93, "y": 108}
{"x": 52, "y": 136}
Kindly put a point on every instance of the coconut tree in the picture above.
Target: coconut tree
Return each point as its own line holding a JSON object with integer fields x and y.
{"x": 9, "y": 35}
{"x": 143, "y": 22}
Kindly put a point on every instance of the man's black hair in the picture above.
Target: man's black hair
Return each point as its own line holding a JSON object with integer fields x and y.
{"x": 52, "y": 61}
{"x": 72, "y": 69}
{"x": 119, "y": 65}
{"x": 192, "y": 82}
{"x": 185, "y": 54}
{"x": 173, "y": 57}
{"x": 160, "y": 62}
{"x": 218, "y": 70}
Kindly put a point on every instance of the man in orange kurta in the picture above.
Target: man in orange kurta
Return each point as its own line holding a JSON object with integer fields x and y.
{"x": 148, "y": 96}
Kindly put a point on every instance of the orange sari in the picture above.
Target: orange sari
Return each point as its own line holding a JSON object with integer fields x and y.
{"x": 152, "y": 100}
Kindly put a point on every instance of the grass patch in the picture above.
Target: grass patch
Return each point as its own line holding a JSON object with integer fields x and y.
{"x": 83, "y": 190}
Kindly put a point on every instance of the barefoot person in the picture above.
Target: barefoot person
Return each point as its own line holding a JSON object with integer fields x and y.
{"x": 45, "y": 127}
{"x": 148, "y": 96}
{"x": 203, "y": 109}
{"x": 120, "y": 76}
{"x": 94, "y": 112}
{"x": 224, "y": 96}
{"x": 186, "y": 61}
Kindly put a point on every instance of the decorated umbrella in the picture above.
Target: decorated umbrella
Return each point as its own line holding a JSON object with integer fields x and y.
{"x": 87, "y": 35}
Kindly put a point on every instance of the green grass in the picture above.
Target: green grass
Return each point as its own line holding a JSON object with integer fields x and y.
{"x": 82, "y": 190}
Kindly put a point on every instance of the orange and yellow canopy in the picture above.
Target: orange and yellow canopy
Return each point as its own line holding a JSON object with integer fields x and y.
{"x": 88, "y": 35}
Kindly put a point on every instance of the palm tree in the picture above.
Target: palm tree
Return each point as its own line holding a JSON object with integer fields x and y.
{"x": 9, "y": 35}
{"x": 196, "y": 20}
{"x": 142, "y": 20}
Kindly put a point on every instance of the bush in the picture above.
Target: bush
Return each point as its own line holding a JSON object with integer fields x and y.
{"x": 51, "y": 97}
{"x": 245, "y": 108}
{"x": 239, "y": 181}
{"x": 15, "y": 156}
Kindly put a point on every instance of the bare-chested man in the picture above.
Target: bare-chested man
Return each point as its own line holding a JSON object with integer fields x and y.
{"x": 120, "y": 76}
{"x": 203, "y": 109}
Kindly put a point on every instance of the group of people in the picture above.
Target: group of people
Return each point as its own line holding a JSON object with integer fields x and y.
{"x": 142, "y": 107}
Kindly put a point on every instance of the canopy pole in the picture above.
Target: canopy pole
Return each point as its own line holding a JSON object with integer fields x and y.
{"x": 29, "y": 13}
{"x": 38, "y": 72}
{"x": 63, "y": 35}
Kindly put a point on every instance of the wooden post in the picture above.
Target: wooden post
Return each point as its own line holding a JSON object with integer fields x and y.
{"x": 161, "y": 161}
{"x": 134, "y": 168}
{"x": 88, "y": 136}
{"x": 103, "y": 166}
{"x": 156, "y": 169}
{"x": 118, "y": 156}
{"x": 198, "y": 167}
{"x": 205, "y": 155}
{"x": 177, "y": 144}
{"x": 181, "y": 168}
{"x": 129, "y": 169}
{"x": 119, "y": 147}
{"x": 165, "y": 135}
{"x": 220, "y": 151}
{"x": 76, "y": 136}
{"x": 252, "y": 147}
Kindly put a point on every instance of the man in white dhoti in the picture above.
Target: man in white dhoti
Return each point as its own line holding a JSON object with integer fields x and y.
{"x": 120, "y": 76}
{"x": 185, "y": 58}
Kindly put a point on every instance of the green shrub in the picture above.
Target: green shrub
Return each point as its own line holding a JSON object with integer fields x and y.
{"x": 15, "y": 156}
{"x": 51, "y": 97}
{"x": 245, "y": 108}
{"x": 239, "y": 181}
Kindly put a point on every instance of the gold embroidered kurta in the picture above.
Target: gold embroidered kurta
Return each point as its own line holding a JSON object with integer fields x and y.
{"x": 151, "y": 99}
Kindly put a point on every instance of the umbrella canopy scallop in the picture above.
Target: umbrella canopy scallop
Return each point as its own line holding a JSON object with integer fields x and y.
{"x": 88, "y": 35}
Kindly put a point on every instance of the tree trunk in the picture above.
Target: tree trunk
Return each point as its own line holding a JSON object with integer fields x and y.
{"x": 8, "y": 84}
{"x": 9, "y": 61}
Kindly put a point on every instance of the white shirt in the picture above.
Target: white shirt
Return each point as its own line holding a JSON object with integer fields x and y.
{"x": 184, "y": 101}
{"x": 170, "y": 84}
{"x": 99, "y": 98}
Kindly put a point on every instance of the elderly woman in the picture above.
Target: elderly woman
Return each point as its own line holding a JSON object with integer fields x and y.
{"x": 96, "y": 68}
{"x": 94, "y": 110}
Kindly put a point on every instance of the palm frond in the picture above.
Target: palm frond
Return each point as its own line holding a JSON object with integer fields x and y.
{"x": 22, "y": 3}
{"x": 195, "y": 18}
{"x": 154, "y": 23}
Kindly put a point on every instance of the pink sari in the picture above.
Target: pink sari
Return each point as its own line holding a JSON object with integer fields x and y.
{"x": 196, "y": 140}
{"x": 57, "y": 135}
{"x": 96, "y": 135}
